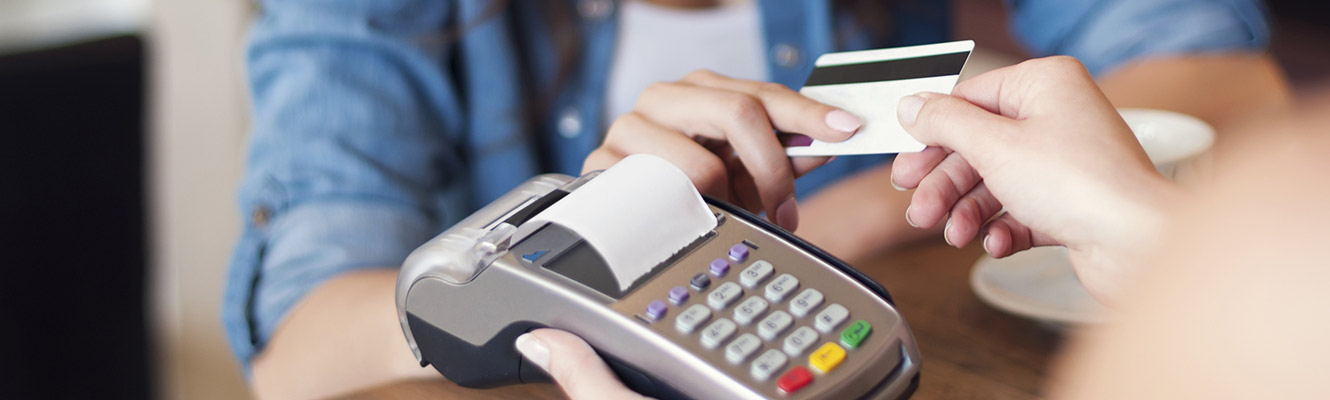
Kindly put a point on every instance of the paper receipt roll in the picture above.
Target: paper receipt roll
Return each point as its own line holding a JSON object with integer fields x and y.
{"x": 636, "y": 214}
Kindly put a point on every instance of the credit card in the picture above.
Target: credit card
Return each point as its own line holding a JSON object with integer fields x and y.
{"x": 870, "y": 83}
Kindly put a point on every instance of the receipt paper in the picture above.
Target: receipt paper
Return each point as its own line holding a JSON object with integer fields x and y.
{"x": 636, "y": 214}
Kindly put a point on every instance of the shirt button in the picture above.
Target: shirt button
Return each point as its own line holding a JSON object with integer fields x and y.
{"x": 259, "y": 217}
{"x": 785, "y": 55}
{"x": 594, "y": 9}
{"x": 570, "y": 123}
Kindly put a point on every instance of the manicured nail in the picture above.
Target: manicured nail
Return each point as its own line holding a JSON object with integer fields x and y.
{"x": 946, "y": 233}
{"x": 988, "y": 244}
{"x": 894, "y": 185}
{"x": 843, "y": 121}
{"x": 534, "y": 350}
{"x": 908, "y": 109}
{"x": 787, "y": 215}
{"x": 795, "y": 140}
{"x": 907, "y": 216}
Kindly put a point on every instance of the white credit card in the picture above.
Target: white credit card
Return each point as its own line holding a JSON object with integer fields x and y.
{"x": 869, "y": 84}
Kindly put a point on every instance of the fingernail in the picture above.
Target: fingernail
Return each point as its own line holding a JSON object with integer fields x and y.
{"x": 787, "y": 215}
{"x": 908, "y": 109}
{"x": 534, "y": 350}
{"x": 795, "y": 140}
{"x": 894, "y": 185}
{"x": 907, "y": 216}
{"x": 988, "y": 244}
{"x": 946, "y": 233}
{"x": 843, "y": 121}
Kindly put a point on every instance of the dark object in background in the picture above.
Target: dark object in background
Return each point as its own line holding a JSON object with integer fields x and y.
{"x": 1313, "y": 12}
{"x": 1301, "y": 28}
{"x": 73, "y": 272}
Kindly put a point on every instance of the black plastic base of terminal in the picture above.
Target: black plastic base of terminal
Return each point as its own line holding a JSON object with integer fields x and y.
{"x": 497, "y": 362}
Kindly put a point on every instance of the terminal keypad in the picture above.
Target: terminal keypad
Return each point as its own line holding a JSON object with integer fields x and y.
{"x": 787, "y": 320}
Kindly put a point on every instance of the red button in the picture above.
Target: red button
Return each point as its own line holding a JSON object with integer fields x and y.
{"x": 795, "y": 379}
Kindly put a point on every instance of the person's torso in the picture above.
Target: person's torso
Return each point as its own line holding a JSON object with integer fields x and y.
{"x": 524, "y": 117}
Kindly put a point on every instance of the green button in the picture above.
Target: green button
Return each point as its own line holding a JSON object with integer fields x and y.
{"x": 855, "y": 333}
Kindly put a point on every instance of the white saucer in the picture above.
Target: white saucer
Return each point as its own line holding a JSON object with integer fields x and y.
{"x": 1040, "y": 283}
{"x": 1037, "y": 283}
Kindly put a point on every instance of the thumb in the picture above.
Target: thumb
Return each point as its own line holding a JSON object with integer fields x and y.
{"x": 937, "y": 119}
{"x": 573, "y": 365}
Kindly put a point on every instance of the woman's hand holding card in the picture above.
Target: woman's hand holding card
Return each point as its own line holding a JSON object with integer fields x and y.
{"x": 720, "y": 131}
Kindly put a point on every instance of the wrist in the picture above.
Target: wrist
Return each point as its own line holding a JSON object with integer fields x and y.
{"x": 1125, "y": 234}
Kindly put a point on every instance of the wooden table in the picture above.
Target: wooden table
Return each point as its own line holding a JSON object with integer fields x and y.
{"x": 970, "y": 350}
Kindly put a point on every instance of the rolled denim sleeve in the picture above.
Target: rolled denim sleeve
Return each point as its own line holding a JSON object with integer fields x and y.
{"x": 351, "y": 159}
{"x": 1105, "y": 34}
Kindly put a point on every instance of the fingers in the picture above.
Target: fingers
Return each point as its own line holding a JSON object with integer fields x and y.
{"x": 740, "y": 120}
{"x": 804, "y": 165}
{"x": 789, "y": 111}
{"x": 939, "y": 191}
{"x": 954, "y": 123}
{"x": 969, "y": 215}
{"x": 573, "y": 365}
{"x": 910, "y": 168}
{"x": 633, "y": 134}
{"x": 602, "y": 158}
{"x": 743, "y": 190}
{"x": 1005, "y": 236}
{"x": 1005, "y": 91}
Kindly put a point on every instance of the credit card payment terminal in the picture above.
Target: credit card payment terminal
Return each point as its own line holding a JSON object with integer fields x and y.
{"x": 736, "y": 309}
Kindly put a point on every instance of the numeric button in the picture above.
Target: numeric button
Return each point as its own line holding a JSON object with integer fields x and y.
{"x": 690, "y": 319}
{"x": 800, "y": 340}
{"x": 781, "y": 288}
{"x": 807, "y": 301}
{"x": 742, "y": 347}
{"x": 774, "y": 325}
{"x": 831, "y": 317}
{"x": 755, "y": 274}
{"x": 718, "y": 332}
{"x": 725, "y": 295}
{"x": 752, "y": 308}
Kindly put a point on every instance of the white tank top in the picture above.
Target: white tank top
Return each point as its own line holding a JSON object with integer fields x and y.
{"x": 658, "y": 44}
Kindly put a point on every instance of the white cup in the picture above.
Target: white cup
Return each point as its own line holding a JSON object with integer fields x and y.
{"x": 1170, "y": 139}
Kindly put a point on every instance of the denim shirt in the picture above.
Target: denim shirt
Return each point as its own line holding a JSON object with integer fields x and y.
{"x": 374, "y": 130}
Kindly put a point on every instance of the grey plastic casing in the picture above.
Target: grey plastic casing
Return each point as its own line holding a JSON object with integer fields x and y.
{"x": 466, "y": 283}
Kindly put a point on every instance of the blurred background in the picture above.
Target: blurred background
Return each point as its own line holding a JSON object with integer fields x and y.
{"x": 124, "y": 126}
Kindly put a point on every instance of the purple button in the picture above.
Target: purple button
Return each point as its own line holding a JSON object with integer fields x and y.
{"x": 739, "y": 252}
{"x": 656, "y": 309}
{"x": 678, "y": 295}
{"x": 720, "y": 267}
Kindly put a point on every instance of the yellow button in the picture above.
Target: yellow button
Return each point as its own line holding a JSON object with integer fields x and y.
{"x": 827, "y": 357}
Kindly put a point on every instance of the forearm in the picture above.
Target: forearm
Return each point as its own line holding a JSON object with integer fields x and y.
{"x": 859, "y": 216}
{"x": 1218, "y": 88}
{"x": 1235, "y": 255}
{"x": 342, "y": 337}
